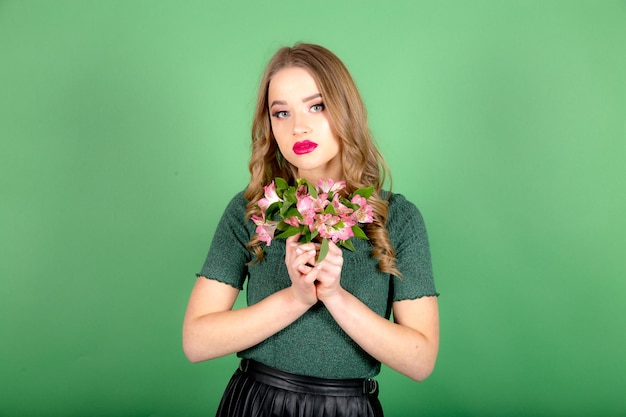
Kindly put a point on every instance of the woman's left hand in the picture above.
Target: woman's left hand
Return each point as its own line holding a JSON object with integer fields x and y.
{"x": 329, "y": 273}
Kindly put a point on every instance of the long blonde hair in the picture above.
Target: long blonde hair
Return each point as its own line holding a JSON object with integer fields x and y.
{"x": 363, "y": 165}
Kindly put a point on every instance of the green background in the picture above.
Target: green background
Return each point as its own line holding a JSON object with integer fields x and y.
{"x": 124, "y": 131}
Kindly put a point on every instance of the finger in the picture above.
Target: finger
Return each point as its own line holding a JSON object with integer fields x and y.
{"x": 333, "y": 248}
{"x": 312, "y": 275}
{"x": 304, "y": 269}
{"x": 292, "y": 241}
{"x": 334, "y": 258}
{"x": 330, "y": 270}
{"x": 305, "y": 247}
{"x": 333, "y": 261}
{"x": 305, "y": 258}
{"x": 301, "y": 250}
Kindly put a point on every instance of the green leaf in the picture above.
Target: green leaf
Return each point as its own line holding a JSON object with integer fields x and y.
{"x": 365, "y": 192}
{"x": 359, "y": 233}
{"x": 291, "y": 231}
{"x": 280, "y": 183}
{"x": 284, "y": 210}
{"x": 282, "y": 226}
{"x": 311, "y": 188}
{"x": 272, "y": 210}
{"x": 292, "y": 212}
{"x": 323, "y": 250}
{"x": 290, "y": 196}
{"x": 344, "y": 200}
{"x": 348, "y": 245}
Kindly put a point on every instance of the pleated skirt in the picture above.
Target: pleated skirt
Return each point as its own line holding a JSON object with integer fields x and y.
{"x": 257, "y": 390}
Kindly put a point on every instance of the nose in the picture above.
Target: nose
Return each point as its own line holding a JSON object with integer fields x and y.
{"x": 300, "y": 125}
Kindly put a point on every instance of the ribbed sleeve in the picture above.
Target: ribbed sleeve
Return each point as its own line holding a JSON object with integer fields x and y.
{"x": 407, "y": 231}
{"x": 228, "y": 256}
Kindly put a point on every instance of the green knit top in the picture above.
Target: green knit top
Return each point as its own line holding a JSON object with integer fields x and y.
{"x": 314, "y": 344}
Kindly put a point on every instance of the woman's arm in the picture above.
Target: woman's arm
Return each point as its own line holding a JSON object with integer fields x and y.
{"x": 409, "y": 345}
{"x": 212, "y": 329}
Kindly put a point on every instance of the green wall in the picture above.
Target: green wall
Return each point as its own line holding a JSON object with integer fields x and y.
{"x": 124, "y": 131}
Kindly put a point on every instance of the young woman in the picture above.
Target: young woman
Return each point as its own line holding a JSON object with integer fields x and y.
{"x": 314, "y": 334}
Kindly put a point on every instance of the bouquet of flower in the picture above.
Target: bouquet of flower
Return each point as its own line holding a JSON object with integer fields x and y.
{"x": 323, "y": 212}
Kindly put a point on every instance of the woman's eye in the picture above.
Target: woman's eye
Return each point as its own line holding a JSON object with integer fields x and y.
{"x": 317, "y": 107}
{"x": 281, "y": 114}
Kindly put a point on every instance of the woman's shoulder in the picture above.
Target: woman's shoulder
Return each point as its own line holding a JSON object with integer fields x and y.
{"x": 236, "y": 206}
{"x": 398, "y": 202}
{"x": 239, "y": 198}
{"x": 401, "y": 210}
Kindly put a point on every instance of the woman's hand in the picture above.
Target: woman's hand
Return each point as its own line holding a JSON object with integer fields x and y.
{"x": 300, "y": 261}
{"x": 329, "y": 273}
{"x": 311, "y": 281}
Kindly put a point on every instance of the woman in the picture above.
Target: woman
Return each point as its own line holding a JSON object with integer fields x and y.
{"x": 314, "y": 334}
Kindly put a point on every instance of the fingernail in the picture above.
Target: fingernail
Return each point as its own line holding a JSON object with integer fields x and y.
{"x": 299, "y": 251}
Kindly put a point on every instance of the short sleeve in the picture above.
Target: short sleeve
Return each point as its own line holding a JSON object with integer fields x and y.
{"x": 407, "y": 232}
{"x": 228, "y": 257}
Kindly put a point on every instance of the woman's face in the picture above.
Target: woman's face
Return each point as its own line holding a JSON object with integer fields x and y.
{"x": 301, "y": 125}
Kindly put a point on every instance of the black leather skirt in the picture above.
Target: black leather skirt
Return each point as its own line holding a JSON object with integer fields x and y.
{"x": 257, "y": 390}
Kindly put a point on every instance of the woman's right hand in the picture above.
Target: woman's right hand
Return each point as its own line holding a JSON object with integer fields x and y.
{"x": 300, "y": 261}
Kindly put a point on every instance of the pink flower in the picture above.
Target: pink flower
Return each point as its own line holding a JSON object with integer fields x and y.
{"x": 345, "y": 213}
{"x": 270, "y": 197}
{"x": 329, "y": 213}
{"x": 302, "y": 191}
{"x": 365, "y": 213}
{"x": 340, "y": 234}
{"x": 310, "y": 207}
{"x": 264, "y": 230}
{"x": 292, "y": 221}
{"x": 329, "y": 185}
{"x": 325, "y": 224}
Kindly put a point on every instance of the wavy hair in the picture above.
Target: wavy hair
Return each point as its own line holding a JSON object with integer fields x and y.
{"x": 362, "y": 163}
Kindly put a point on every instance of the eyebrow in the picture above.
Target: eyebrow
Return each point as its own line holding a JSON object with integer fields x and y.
{"x": 304, "y": 100}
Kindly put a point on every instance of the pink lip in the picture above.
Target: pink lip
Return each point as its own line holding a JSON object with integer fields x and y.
{"x": 304, "y": 147}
